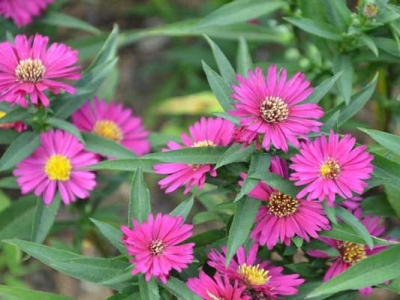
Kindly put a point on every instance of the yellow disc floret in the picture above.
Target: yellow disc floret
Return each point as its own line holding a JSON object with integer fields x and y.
{"x": 30, "y": 70}
{"x": 330, "y": 169}
{"x": 108, "y": 129}
{"x": 58, "y": 167}
{"x": 253, "y": 275}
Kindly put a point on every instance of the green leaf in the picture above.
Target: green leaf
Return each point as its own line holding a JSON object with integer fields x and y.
{"x": 139, "y": 199}
{"x": 180, "y": 290}
{"x": 16, "y": 114}
{"x": 17, "y": 293}
{"x": 148, "y": 290}
{"x": 240, "y": 11}
{"x": 225, "y": 68}
{"x": 20, "y": 149}
{"x": 183, "y": 209}
{"x": 392, "y": 193}
{"x": 322, "y": 89}
{"x": 370, "y": 271}
{"x": 369, "y": 42}
{"x": 276, "y": 181}
{"x": 342, "y": 64}
{"x": 107, "y": 147}
{"x": 220, "y": 88}
{"x": 66, "y": 126}
{"x": 387, "y": 140}
{"x": 8, "y": 136}
{"x": 9, "y": 182}
{"x": 321, "y": 29}
{"x": 235, "y": 153}
{"x": 330, "y": 212}
{"x": 62, "y": 20}
{"x": 244, "y": 62}
{"x": 16, "y": 219}
{"x": 379, "y": 205}
{"x": 114, "y": 235}
{"x": 339, "y": 14}
{"x": 243, "y": 219}
{"x": 45, "y": 216}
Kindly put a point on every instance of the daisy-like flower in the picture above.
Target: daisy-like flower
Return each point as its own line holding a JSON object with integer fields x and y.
{"x": 283, "y": 216}
{"x": 208, "y": 132}
{"x": 55, "y": 166}
{"x": 17, "y": 126}
{"x": 22, "y": 11}
{"x": 155, "y": 246}
{"x": 30, "y": 69}
{"x": 112, "y": 121}
{"x": 261, "y": 278}
{"x": 349, "y": 253}
{"x": 331, "y": 166}
{"x": 271, "y": 106}
{"x": 217, "y": 288}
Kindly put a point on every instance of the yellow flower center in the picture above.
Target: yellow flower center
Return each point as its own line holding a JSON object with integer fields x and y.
{"x": 58, "y": 167}
{"x": 2, "y": 114}
{"x": 330, "y": 169}
{"x": 253, "y": 275}
{"x": 205, "y": 143}
{"x": 157, "y": 247}
{"x": 274, "y": 109}
{"x": 30, "y": 70}
{"x": 109, "y": 130}
{"x": 282, "y": 205}
{"x": 351, "y": 253}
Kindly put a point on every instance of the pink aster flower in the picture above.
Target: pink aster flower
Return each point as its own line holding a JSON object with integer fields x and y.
{"x": 349, "y": 253}
{"x": 31, "y": 69}
{"x": 111, "y": 120}
{"x": 208, "y": 132}
{"x": 155, "y": 246}
{"x": 217, "y": 288}
{"x": 22, "y": 11}
{"x": 261, "y": 278}
{"x": 331, "y": 166}
{"x": 17, "y": 126}
{"x": 271, "y": 106}
{"x": 56, "y": 166}
{"x": 283, "y": 216}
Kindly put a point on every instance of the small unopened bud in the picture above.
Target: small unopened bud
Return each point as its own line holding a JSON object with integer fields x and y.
{"x": 370, "y": 10}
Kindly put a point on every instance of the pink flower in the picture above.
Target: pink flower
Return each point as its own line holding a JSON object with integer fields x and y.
{"x": 331, "y": 166}
{"x": 261, "y": 278}
{"x": 56, "y": 166}
{"x": 154, "y": 245}
{"x": 209, "y": 132}
{"x": 350, "y": 253}
{"x": 283, "y": 216}
{"x": 22, "y": 11}
{"x": 111, "y": 120}
{"x": 270, "y": 106}
{"x": 17, "y": 126}
{"x": 31, "y": 68}
{"x": 219, "y": 288}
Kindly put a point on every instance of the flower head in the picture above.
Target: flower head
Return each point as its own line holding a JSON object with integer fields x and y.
{"x": 55, "y": 166}
{"x": 31, "y": 69}
{"x": 111, "y": 120}
{"x": 208, "y": 132}
{"x": 331, "y": 166}
{"x": 22, "y": 11}
{"x": 270, "y": 106}
{"x": 259, "y": 277}
{"x": 155, "y": 246}
{"x": 283, "y": 216}
{"x": 17, "y": 126}
{"x": 217, "y": 288}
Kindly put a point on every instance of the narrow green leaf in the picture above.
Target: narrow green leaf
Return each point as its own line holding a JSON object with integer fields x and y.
{"x": 63, "y": 20}
{"x": 387, "y": 169}
{"x": 392, "y": 193}
{"x": 139, "y": 199}
{"x": 330, "y": 212}
{"x": 245, "y": 213}
{"x": 225, "y": 68}
{"x": 18, "y": 293}
{"x": 244, "y": 62}
{"x": 148, "y": 289}
{"x": 106, "y": 147}
{"x": 317, "y": 28}
{"x": 183, "y": 209}
{"x": 322, "y": 89}
{"x": 66, "y": 126}
{"x": 218, "y": 85}
{"x": 8, "y": 136}
{"x": 239, "y": 11}
{"x": 9, "y": 182}
{"x": 45, "y": 216}
{"x": 343, "y": 64}
{"x": 276, "y": 181}
{"x": 180, "y": 290}
{"x": 370, "y": 271}
{"x": 339, "y": 14}
{"x": 387, "y": 140}
{"x": 114, "y": 235}
{"x": 20, "y": 149}
{"x": 379, "y": 205}
{"x": 369, "y": 42}
{"x": 235, "y": 153}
